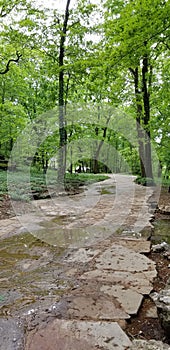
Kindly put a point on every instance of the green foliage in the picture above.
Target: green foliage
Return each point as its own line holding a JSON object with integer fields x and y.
{"x": 165, "y": 182}
{"x": 21, "y": 187}
{"x": 96, "y": 79}
{"x": 3, "y": 181}
{"x": 84, "y": 178}
{"x": 144, "y": 181}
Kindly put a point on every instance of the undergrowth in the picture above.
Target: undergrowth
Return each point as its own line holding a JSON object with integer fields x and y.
{"x": 22, "y": 185}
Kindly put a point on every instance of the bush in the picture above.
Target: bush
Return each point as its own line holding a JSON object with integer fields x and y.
{"x": 145, "y": 181}
{"x": 16, "y": 196}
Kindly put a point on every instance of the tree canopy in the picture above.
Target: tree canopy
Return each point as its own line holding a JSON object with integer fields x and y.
{"x": 91, "y": 83}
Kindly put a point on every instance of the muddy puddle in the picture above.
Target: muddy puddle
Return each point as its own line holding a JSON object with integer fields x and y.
{"x": 62, "y": 237}
{"x": 71, "y": 238}
{"x": 108, "y": 190}
{"x": 30, "y": 271}
{"x": 161, "y": 231}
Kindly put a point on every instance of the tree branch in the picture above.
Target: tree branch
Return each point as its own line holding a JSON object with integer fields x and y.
{"x": 132, "y": 71}
{"x": 4, "y": 12}
{"x": 6, "y": 70}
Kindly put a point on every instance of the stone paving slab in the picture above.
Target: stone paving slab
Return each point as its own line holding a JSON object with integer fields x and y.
{"x": 82, "y": 255}
{"x": 121, "y": 273}
{"x": 111, "y": 277}
{"x": 128, "y": 298}
{"x": 140, "y": 282}
{"x": 120, "y": 258}
{"x": 95, "y": 307}
{"x": 78, "y": 335}
{"x": 86, "y": 254}
{"x": 137, "y": 245}
{"x": 123, "y": 267}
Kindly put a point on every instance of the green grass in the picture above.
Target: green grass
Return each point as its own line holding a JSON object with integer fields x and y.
{"x": 3, "y": 184}
{"x": 21, "y": 185}
{"x": 73, "y": 182}
{"x": 145, "y": 181}
{"x": 85, "y": 178}
{"x": 163, "y": 182}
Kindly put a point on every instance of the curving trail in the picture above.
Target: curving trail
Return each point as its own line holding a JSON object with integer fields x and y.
{"x": 73, "y": 269}
{"x": 114, "y": 204}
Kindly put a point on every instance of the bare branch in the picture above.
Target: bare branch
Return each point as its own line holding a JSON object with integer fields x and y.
{"x": 132, "y": 71}
{"x": 6, "y": 70}
{"x": 5, "y": 11}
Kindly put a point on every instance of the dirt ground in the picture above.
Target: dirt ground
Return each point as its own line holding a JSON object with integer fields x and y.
{"x": 143, "y": 326}
{"x": 164, "y": 197}
{"x": 6, "y": 209}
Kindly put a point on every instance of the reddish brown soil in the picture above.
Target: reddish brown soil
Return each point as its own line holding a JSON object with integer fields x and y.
{"x": 141, "y": 326}
{"x": 6, "y": 208}
{"x": 144, "y": 327}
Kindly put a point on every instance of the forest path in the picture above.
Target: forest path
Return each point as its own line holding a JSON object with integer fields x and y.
{"x": 75, "y": 272}
{"x": 99, "y": 211}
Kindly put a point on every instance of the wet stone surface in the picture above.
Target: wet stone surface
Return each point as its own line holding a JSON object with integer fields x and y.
{"x": 123, "y": 259}
{"x": 30, "y": 270}
{"x": 74, "y": 281}
{"x": 11, "y": 334}
{"x": 76, "y": 335}
{"x": 129, "y": 299}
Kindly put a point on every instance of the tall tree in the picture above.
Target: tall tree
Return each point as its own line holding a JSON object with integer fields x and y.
{"x": 62, "y": 122}
{"x": 136, "y": 34}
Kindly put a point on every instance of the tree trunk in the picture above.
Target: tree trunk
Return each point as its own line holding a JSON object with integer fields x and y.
{"x": 62, "y": 121}
{"x": 146, "y": 104}
{"x": 143, "y": 131}
{"x": 96, "y": 158}
{"x": 139, "y": 117}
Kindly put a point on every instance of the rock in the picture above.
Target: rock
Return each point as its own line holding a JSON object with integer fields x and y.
{"x": 152, "y": 312}
{"x": 157, "y": 248}
{"x": 140, "y": 282}
{"x": 129, "y": 299}
{"x": 11, "y": 334}
{"x": 167, "y": 254}
{"x": 82, "y": 255}
{"x": 164, "y": 209}
{"x": 95, "y": 308}
{"x": 167, "y": 209}
{"x": 162, "y": 301}
{"x": 118, "y": 258}
{"x": 139, "y": 245}
{"x": 76, "y": 335}
{"x": 148, "y": 345}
